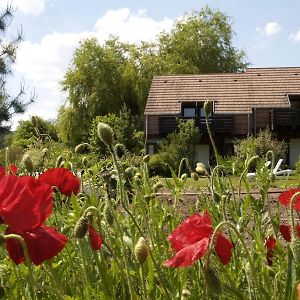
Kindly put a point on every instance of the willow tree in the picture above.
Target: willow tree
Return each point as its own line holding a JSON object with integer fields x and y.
{"x": 102, "y": 78}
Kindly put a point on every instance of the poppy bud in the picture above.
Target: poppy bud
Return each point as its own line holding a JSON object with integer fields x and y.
{"x": 27, "y": 161}
{"x": 127, "y": 241}
{"x": 139, "y": 175}
{"x": 184, "y": 176}
{"x": 207, "y": 107}
{"x": 194, "y": 176}
{"x": 157, "y": 186}
{"x": 185, "y": 294}
{"x": 141, "y": 250}
{"x": 201, "y": 169}
{"x": 120, "y": 149}
{"x": 105, "y": 134}
{"x": 85, "y": 162}
{"x": 252, "y": 161}
{"x": 44, "y": 151}
{"x": 82, "y": 148}
{"x": 108, "y": 215}
{"x": 213, "y": 282}
{"x": 59, "y": 161}
{"x": 81, "y": 228}
{"x": 146, "y": 158}
{"x": 34, "y": 121}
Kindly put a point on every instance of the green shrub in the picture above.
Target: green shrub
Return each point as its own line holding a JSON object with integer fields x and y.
{"x": 158, "y": 167}
{"x": 260, "y": 145}
{"x": 298, "y": 166}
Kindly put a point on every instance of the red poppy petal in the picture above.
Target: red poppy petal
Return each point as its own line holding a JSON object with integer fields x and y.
{"x": 188, "y": 255}
{"x": 43, "y": 243}
{"x": 270, "y": 243}
{"x": 286, "y": 196}
{"x": 192, "y": 230}
{"x": 25, "y": 202}
{"x": 223, "y": 248}
{"x": 95, "y": 238}
{"x": 298, "y": 230}
{"x": 63, "y": 179}
{"x": 13, "y": 169}
{"x": 285, "y": 230}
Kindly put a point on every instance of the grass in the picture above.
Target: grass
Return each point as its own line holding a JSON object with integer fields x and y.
{"x": 202, "y": 182}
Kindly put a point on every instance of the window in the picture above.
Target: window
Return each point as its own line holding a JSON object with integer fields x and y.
{"x": 189, "y": 112}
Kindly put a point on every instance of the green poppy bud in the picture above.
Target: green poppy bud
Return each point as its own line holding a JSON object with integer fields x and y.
{"x": 201, "y": 169}
{"x": 59, "y": 161}
{"x": 127, "y": 241}
{"x": 146, "y": 158}
{"x": 207, "y": 107}
{"x": 252, "y": 161}
{"x": 105, "y": 134}
{"x": 85, "y": 162}
{"x": 141, "y": 250}
{"x": 213, "y": 282}
{"x": 120, "y": 149}
{"x": 108, "y": 215}
{"x": 82, "y": 148}
{"x": 44, "y": 151}
{"x": 81, "y": 228}
{"x": 157, "y": 186}
{"x": 194, "y": 176}
{"x": 184, "y": 176}
{"x": 27, "y": 161}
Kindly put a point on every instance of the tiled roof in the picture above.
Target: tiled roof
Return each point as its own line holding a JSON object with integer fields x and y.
{"x": 232, "y": 93}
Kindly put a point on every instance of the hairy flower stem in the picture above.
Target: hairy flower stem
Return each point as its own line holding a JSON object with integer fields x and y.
{"x": 252, "y": 268}
{"x": 212, "y": 139}
{"x": 32, "y": 282}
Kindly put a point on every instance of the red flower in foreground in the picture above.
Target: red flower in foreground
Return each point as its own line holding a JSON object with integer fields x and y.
{"x": 190, "y": 240}
{"x": 95, "y": 238}
{"x": 286, "y": 231}
{"x": 270, "y": 245}
{"x": 25, "y": 203}
{"x": 63, "y": 179}
{"x": 11, "y": 169}
{"x": 286, "y": 196}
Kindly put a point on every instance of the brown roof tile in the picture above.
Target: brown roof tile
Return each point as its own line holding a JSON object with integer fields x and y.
{"x": 239, "y": 93}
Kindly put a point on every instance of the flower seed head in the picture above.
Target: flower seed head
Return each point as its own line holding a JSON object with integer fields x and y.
{"x": 105, "y": 134}
{"x": 141, "y": 250}
{"x": 81, "y": 228}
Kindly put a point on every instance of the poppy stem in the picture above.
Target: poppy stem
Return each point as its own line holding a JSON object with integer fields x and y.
{"x": 32, "y": 282}
{"x": 252, "y": 268}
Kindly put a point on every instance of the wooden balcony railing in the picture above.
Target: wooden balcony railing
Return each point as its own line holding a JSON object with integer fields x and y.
{"x": 285, "y": 119}
{"x": 219, "y": 124}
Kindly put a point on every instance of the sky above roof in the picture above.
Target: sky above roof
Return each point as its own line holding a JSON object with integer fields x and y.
{"x": 268, "y": 31}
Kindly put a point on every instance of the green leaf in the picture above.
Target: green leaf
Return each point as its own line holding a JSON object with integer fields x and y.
{"x": 291, "y": 275}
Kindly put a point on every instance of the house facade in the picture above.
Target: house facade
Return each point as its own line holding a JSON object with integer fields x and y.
{"x": 243, "y": 104}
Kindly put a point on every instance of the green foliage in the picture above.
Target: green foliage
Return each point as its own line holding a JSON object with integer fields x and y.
{"x": 260, "y": 145}
{"x": 26, "y": 134}
{"x": 158, "y": 167}
{"x": 102, "y": 78}
{"x": 180, "y": 144}
{"x": 297, "y": 165}
{"x": 15, "y": 154}
{"x": 124, "y": 127}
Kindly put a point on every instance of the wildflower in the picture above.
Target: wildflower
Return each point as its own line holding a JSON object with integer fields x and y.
{"x": 190, "y": 240}
{"x": 270, "y": 245}
{"x": 286, "y": 196}
{"x": 25, "y": 203}
{"x": 285, "y": 230}
{"x": 63, "y": 179}
{"x": 96, "y": 239}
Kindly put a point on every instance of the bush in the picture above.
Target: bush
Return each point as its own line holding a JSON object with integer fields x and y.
{"x": 157, "y": 166}
{"x": 180, "y": 144}
{"x": 260, "y": 145}
{"x": 298, "y": 166}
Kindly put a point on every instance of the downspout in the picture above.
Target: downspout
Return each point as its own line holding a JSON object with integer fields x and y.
{"x": 146, "y": 134}
{"x": 248, "y": 118}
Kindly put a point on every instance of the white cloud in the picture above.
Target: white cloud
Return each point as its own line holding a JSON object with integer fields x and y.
{"x": 295, "y": 37}
{"x": 270, "y": 29}
{"x": 27, "y": 7}
{"x": 44, "y": 63}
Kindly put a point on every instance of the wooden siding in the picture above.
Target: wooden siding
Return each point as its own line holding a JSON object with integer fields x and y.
{"x": 241, "y": 124}
{"x": 153, "y": 125}
{"x": 262, "y": 118}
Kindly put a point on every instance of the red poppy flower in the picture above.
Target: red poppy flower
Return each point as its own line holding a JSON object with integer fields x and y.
{"x": 190, "y": 240}
{"x": 63, "y": 179}
{"x": 286, "y": 196}
{"x": 270, "y": 245}
{"x": 11, "y": 169}
{"x": 285, "y": 230}
{"x": 25, "y": 203}
{"x": 95, "y": 238}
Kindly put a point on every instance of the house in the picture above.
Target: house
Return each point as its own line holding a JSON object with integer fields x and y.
{"x": 243, "y": 104}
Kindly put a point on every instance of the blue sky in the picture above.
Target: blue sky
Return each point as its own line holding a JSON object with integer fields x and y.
{"x": 268, "y": 31}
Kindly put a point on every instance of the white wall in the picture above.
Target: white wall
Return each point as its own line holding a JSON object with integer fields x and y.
{"x": 294, "y": 151}
{"x": 202, "y": 154}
